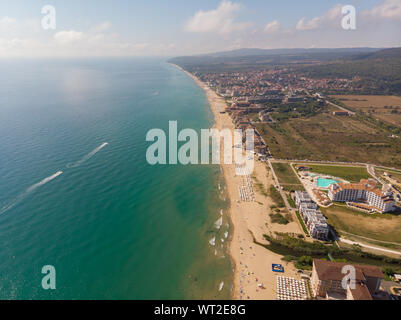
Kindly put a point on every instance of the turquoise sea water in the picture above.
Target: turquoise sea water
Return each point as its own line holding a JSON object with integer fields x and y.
{"x": 113, "y": 226}
{"x": 325, "y": 183}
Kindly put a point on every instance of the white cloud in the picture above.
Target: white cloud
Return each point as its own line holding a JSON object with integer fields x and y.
{"x": 305, "y": 24}
{"x": 10, "y": 27}
{"x": 272, "y": 27}
{"x": 104, "y": 26}
{"x": 388, "y": 9}
{"x": 68, "y": 37}
{"x": 220, "y": 20}
{"x": 331, "y": 18}
{"x": 7, "y": 23}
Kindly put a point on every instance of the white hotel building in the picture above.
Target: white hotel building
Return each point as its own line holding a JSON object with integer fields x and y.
{"x": 315, "y": 222}
{"x": 363, "y": 192}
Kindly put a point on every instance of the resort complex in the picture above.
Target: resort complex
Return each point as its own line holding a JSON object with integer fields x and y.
{"x": 328, "y": 277}
{"x": 363, "y": 196}
{"x": 314, "y": 220}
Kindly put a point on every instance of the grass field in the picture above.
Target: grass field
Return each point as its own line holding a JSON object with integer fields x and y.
{"x": 351, "y": 174}
{"x": 382, "y": 227}
{"x": 286, "y": 175}
{"x": 326, "y": 137}
{"x": 385, "y": 108}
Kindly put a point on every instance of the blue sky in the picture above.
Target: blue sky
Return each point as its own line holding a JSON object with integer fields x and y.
{"x": 175, "y": 27}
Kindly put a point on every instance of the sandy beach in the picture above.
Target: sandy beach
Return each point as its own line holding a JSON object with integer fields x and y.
{"x": 253, "y": 275}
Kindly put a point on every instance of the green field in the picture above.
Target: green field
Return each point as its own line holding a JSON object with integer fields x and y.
{"x": 326, "y": 137}
{"x": 286, "y": 176}
{"x": 351, "y": 174}
{"x": 380, "y": 227}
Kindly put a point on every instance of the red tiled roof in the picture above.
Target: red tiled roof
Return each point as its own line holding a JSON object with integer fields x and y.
{"x": 328, "y": 270}
{"x": 361, "y": 292}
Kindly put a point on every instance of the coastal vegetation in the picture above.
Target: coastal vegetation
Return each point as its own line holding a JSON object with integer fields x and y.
{"x": 303, "y": 262}
{"x": 259, "y": 186}
{"x": 276, "y": 197}
{"x": 278, "y": 218}
{"x": 301, "y": 221}
{"x": 294, "y": 248}
{"x": 291, "y": 201}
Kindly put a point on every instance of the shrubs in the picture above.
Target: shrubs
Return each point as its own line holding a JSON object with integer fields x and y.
{"x": 303, "y": 262}
{"x": 301, "y": 252}
{"x": 276, "y": 197}
{"x": 278, "y": 218}
{"x": 298, "y": 245}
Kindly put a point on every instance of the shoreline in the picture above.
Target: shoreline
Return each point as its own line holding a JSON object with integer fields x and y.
{"x": 253, "y": 278}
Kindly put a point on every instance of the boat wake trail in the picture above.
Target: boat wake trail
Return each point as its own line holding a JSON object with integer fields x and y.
{"x": 28, "y": 191}
{"x": 87, "y": 157}
{"x": 35, "y": 186}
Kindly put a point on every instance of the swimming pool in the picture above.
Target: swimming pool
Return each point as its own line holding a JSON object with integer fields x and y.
{"x": 325, "y": 183}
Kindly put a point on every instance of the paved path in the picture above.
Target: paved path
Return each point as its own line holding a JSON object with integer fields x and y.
{"x": 370, "y": 239}
{"x": 284, "y": 196}
{"x": 369, "y": 247}
{"x": 342, "y": 108}
{"x": 371, "y": 171}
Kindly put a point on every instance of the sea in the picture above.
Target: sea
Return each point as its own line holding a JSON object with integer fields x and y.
{"x": 77, "y": 193}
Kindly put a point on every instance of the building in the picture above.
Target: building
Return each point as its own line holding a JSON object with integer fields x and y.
{"x": 327, "y": 281}
{"x": 295, "y": 99}
{"x": 314, "y": 220}
{"x": 264, "y": 117}
{"x": 341, "y": 113}
{"x": 364, "y": 192}
{"x": 303, "y": 168}
{"x": 302, "y": 197}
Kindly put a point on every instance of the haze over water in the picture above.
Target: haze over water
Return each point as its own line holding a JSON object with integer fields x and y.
{"x": 77, "y": 193}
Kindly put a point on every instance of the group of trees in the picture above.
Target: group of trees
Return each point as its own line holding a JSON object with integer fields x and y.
{"x": 371, "y": 76}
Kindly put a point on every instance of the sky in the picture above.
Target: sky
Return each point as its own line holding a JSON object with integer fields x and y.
{"x": 189, "y": 27}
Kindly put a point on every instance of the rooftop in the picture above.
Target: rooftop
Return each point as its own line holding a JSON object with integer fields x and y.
{"x": 328, "y": 270}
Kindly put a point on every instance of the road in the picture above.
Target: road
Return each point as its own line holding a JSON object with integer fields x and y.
{"x": 337, "y": 106}
{"x": 284, "y": 196}
{"x": 369, "y": 247}
{"x": 371, "y": 171}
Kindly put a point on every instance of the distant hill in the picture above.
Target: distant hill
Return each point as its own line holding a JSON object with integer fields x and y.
{"x": 253, "y": 58}
{"x": 381, "y": 54}
{"x": 247, "y": 52}
{"x": 379, "y": 70}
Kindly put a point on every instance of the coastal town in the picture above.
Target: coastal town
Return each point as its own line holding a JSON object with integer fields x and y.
{"x": 201, "y": 159}
{"x": 263, "y": 96}
{"x": 245, "y": 100}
